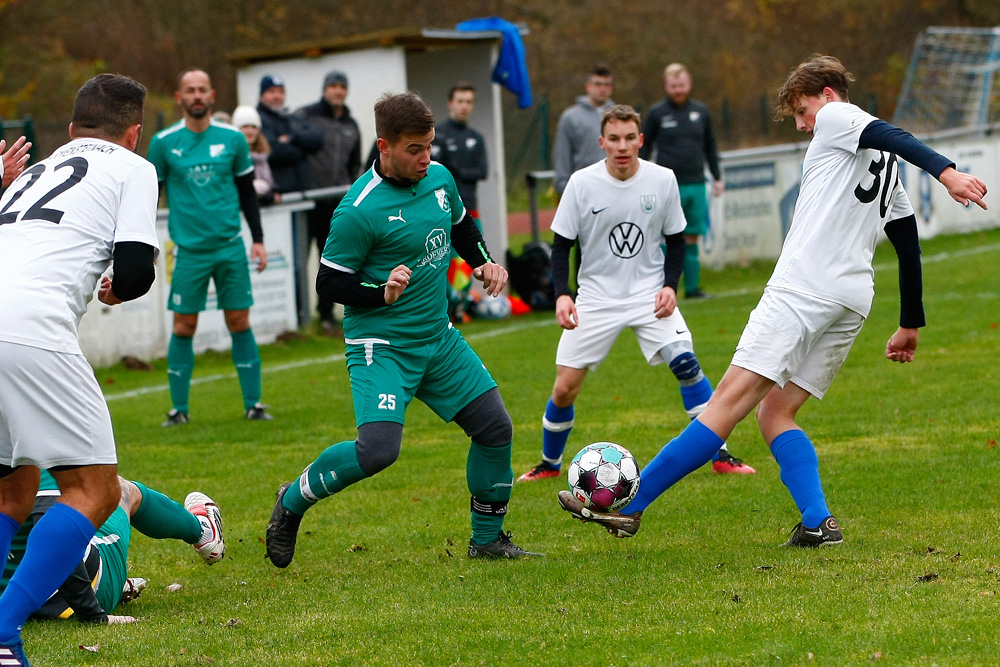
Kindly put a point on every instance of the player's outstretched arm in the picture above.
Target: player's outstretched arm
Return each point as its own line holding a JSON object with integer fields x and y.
{"x": 494, "y": 277}
{"x": 964, "y": 188}
{"x": 13, "y": 161}
{"x": 903, "y": 345}
{"x": 398, "y": 279}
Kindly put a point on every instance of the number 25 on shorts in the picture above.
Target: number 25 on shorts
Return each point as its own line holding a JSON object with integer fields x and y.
{"x": 387, "y": 402}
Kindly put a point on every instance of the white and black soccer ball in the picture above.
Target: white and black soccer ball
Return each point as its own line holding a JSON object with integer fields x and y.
{"x": 604, "y": 477}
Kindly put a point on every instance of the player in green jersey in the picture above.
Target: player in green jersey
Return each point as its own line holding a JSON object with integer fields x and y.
{"x": 386, "y": 260}
{"x": 207, "y": 172}
{"x": 100, "y": 581}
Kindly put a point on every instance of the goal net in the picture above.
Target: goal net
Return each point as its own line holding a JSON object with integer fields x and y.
{"x": 951, "y": 81}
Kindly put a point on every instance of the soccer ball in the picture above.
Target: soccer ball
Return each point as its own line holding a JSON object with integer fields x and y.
{"x": 604, "y": 477}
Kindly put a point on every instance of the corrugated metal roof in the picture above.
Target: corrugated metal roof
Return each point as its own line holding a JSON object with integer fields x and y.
{"x": 412, "y": 39}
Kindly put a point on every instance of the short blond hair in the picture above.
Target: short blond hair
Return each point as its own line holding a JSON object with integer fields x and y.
{"x": 674, "y": 69}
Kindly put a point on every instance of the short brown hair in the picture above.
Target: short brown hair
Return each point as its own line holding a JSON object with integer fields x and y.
{"x": 810, "y": 78}
{"x": 107, "y": 106}
{"x": 401, "y": 115}
{"x": 460, "y": 86}
{"x": 180, "y": 77}
{"x": 622, "y": 112}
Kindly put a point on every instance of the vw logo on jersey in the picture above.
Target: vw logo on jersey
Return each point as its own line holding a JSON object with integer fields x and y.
{"x": 215, "y": 150}
{"x": 625, "y": 240}
{"x": 443, "y": 201}
{"x": 648, "y": 202}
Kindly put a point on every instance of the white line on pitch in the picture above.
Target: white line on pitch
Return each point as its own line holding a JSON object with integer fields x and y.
{"x": 142, "y": 391}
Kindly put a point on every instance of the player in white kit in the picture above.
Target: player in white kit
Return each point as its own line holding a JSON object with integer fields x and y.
{"x": 63, "y": 221}
{"x": 817, "y": 298}
{"x": 621, "y": 210}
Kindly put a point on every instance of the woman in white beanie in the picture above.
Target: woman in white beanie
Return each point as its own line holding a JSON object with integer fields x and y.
{"x": 248, "y": 120}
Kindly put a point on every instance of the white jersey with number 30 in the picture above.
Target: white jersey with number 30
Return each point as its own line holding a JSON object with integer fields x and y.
{"x": 846, "y": 197}
{"x": 620, "y": 227}
{"x": 59, "y": 222}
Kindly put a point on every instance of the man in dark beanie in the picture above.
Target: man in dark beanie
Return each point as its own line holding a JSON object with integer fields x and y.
{"x": 335, "y": 163}
{"x": 291, "y": 139}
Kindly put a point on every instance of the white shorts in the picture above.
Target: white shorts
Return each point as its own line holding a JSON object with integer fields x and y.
{"x": 792, "y": 336}
{"x": 52, "y": 411}
{"x": 589, "y": 343}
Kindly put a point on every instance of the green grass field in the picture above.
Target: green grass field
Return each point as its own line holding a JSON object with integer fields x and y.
{"x": 907, "y": 452}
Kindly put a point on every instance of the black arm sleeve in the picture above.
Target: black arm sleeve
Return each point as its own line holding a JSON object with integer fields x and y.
{"x": 673, "y": 260}
{"x": 250, "y": 206}
{"x": 711, "y": 152}
{"x": 134, "y": 269}
{"x": 882, "y": 136}
{"x": 469, "y": 243}
{"x": 561, "y": 247}
{"x": 347, "y": 288}
{"x": 902, "y": 234}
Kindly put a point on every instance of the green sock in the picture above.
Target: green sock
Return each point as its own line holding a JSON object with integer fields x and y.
{"x": 246, "y": 358}
{"x": 334, "y": 470}
{"x": 180, "y": 365}
{"x": 692, "y": 268}
{"x": 490, "y": 479}
{"x": 161, "y": 518}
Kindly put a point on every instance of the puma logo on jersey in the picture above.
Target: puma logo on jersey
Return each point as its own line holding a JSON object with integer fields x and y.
{"x": 179, "y": 152}
{"x": 397, "y": 218}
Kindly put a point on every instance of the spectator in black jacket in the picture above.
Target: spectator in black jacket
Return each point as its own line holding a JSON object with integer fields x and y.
{"x": 292, "y": 139}
{"x": 679, "y": 130}
{"x": 335, "y": 163}
{"x": 460, "y": 148}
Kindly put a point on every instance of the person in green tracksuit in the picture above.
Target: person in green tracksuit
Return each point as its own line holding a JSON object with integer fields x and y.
{"x": 207, "y": 172}
{"x": 386, "y": 260}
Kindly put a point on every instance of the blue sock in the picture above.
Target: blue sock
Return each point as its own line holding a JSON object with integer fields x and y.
{"x": 695, "y": 397}
{"x": 799, "y": 465}
{"x": 8, "y": 529}
{"x": 55, "y": 547}
{"x": 556, "y": 426}
{"x": 684, "y": 454}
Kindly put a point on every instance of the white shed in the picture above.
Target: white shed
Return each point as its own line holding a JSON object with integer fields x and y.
{"x": 427, "y": 61}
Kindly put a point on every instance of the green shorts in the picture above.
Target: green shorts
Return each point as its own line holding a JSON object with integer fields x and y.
{"x": 112, "y": 540}
{"x": 694, "y": 201}
{"x": 228, "y": 267}
{"x": 445, "y": 374}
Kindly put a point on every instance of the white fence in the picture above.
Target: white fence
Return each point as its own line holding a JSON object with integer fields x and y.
{"x": 141, "y": 328}
{"x": 750, "y": 219}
